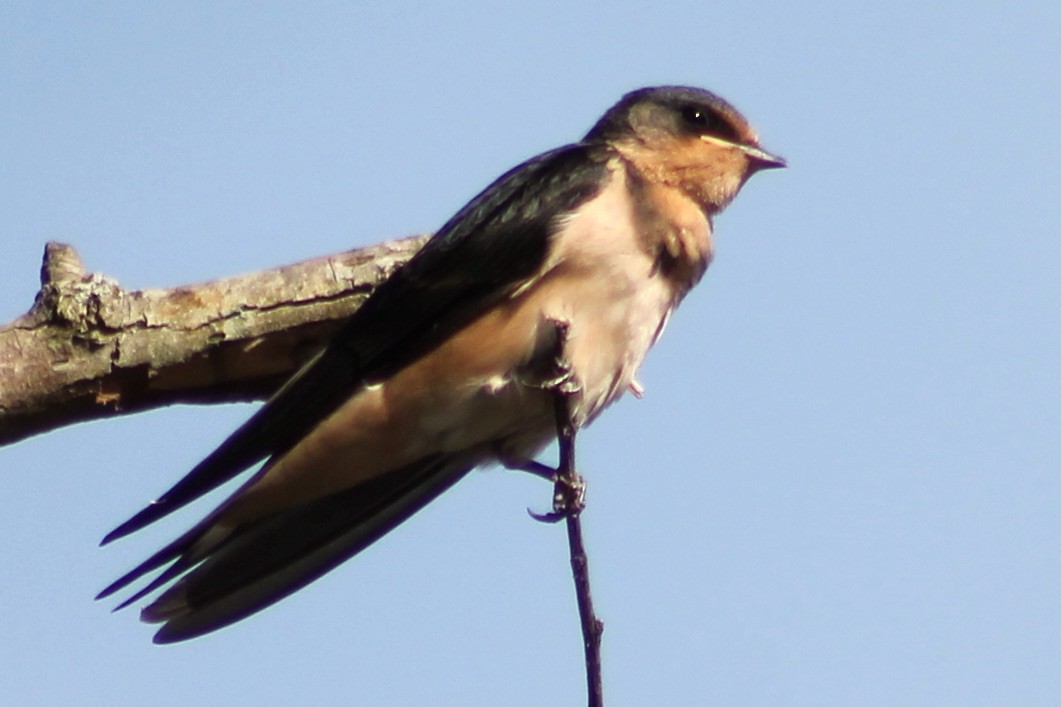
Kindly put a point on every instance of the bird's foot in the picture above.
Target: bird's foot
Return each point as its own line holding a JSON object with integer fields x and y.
{"x": 569, "y": 499}
{"x": 560, "y": 377}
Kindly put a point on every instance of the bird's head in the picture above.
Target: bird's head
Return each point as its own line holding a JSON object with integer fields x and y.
{"x": 687, "y": 138}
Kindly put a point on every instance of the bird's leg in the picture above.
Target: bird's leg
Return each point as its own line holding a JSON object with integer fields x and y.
{"x": 569, "y": 489}
{"x": 560, "y": 378}
{"x": 531, "y": 466}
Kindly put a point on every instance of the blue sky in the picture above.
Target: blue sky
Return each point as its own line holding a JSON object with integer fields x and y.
{"x": 842, "y": 484}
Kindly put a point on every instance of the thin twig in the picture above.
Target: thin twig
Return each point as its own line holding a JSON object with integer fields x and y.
{"x": 568, "y": 499}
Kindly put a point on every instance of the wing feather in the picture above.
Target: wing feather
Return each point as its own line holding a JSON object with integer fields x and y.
{"x": 491, "y": 246}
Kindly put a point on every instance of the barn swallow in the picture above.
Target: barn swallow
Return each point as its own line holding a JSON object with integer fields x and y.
{"x": 444, "y": 368}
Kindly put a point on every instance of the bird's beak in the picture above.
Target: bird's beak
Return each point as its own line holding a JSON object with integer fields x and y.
{"x": 761, "y": 159}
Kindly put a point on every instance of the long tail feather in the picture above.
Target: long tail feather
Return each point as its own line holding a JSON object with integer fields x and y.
{"x": 264, "y": 562}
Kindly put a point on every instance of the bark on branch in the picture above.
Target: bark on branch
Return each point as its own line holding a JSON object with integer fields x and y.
{"x": 89, "y": 348}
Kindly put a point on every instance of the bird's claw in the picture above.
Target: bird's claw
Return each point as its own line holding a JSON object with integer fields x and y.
{"x": 561, "y": 377}
{"x": 569, "y": 499}
{"x": 550, "y": 517}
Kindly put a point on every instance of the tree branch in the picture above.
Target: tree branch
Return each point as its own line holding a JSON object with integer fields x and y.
{"x": 592, "y": 627}
{"x": 89, "y": 349}
{"x": 568, "y": 503}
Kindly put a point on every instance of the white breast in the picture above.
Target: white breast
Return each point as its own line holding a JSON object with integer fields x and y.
{"x": 604, "y": 278}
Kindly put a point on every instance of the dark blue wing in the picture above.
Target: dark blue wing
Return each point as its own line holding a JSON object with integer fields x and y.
{"x": 492, "y": 245}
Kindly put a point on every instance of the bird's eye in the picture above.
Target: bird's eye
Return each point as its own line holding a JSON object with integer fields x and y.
{"x": 696, "y": 117}
{"x": 707, "y": 122}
